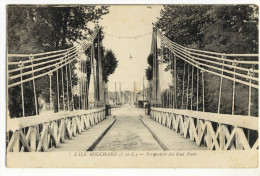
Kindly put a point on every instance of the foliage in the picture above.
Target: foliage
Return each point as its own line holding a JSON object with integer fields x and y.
{"x": 231, "y": 29}
{"x": 51, "y": 27}
{"x": 149, "y": 69}
{"x": 181, "y": 23}
{"x": 34, "y": 29}
{"x": 149, "y": 73}
{"x": 110, "y": 63}
{"x": 223, "y": 29}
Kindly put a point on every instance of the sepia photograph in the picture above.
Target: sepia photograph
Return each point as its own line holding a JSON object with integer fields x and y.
{"x": 139, "y": 86}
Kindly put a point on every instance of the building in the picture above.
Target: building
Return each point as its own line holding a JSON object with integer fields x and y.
{"x": 125, "y": 98}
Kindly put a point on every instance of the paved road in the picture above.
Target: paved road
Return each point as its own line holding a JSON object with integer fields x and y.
{"x": 128, "y": 133}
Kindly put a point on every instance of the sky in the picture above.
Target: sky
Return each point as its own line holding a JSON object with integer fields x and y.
{"x": 129, "y": 21}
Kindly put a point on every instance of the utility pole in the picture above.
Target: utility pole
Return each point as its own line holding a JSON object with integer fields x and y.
{"x": 115, "y": 93}
{"x": 134, "y": 98}
{"x": 143, "y": 90}
{"x": 120, "y": 98}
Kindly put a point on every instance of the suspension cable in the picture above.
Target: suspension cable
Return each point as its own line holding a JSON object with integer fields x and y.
{"x": 196, "y": 64}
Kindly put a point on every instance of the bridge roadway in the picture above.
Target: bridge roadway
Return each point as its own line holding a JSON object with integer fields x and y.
{"x": 129, "y": 129}
{"x": 128, "y": 133}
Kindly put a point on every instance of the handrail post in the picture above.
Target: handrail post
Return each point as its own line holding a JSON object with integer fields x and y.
{"x": 85, "y": 80}
{"x": 79, "y": 85}
{"x": 163, "y": 99}
{"x": 163, "y": 93}
{"x": 86, "y": 84}
{"x": 50, "y": 74}
{"x": 234, "y": 89}
{"x": 62, "y": 84}
{"x": 21, "y": 65}
{"x": 250, "y": 74}
{"x": 175, "y": 81}
{"x": 166, "y": 101}
{"x": 191, "y": 87}
{"x": 220, "y": 86}
{"x": 68, "y": 96}
{"x": 58, "y": 87}
{"x": 87, "y": 87}
{"x": 168, "y": 98}
{"x": 187, "y": 98}
{"x": 203, "y": 90}
{"x": 198, "y": 77}
{"x": 71, "y": 85}
{"x": 183, "y": 81}
{"x": 82, "y": 86}
{"x": 34, "y": 89}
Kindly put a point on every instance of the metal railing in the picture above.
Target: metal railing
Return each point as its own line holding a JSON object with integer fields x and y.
{"x": 179, "y": 106}
{"x": 49, "y": 128}
{"x": 54, "y": 64}
{"x": 41, "y": 132}
{"x": 215, "y": 131}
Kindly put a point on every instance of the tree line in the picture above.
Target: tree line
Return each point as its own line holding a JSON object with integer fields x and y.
{"x": 217, "y": 28}
{"x": 43, "y": 28}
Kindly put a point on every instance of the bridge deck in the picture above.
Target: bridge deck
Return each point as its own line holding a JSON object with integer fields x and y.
{"x": 86, "y": 139}
{"x": 128, "y": 131}
{"x": 167, "y": 138}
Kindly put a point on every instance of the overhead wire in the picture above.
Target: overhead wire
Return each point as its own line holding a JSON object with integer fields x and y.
{"x": 212, "y": 57}
{"x": 216, "y": 68}
{"x": 128, "y": 37}
{"x": 189, "y": 59}
{"x": 61, "y": 61}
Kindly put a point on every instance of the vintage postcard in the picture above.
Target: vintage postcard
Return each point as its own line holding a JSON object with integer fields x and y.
{"x": 132, "y": 86}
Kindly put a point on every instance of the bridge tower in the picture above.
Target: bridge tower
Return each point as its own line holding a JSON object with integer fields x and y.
{"x": 120, "y": 98}
{"x": 134, "y": 93}
{"x": 99, "y": 101}
{"x": 156, "y": 90}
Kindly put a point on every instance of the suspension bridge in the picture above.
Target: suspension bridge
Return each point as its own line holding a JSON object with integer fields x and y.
{"x": 75, "y": 115}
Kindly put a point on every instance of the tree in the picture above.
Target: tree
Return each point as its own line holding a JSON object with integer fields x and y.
{"x": 226, "y": 29}
{"x": 182, "y": 23}
{"x": 51, "y": 27}
{"x": 109, "y": 61}
{"x": 109, "y": 64}
{"x": 34, "y": 29}
{"x": 223, "y": 29}
{"x": 231, "y": 29}
{"x": 149, "y": 69}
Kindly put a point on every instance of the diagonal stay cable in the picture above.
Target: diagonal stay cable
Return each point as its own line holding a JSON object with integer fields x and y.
{"x": 216, "y": 68}
{"x": 196, "y": 64}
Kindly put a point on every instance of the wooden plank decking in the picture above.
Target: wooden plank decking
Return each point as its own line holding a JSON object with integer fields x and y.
{"x": 87, "y": 139}
{"x": 167, "y": 138}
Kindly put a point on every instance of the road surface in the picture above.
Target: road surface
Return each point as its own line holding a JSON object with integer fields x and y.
{"x": 128, "y": 133}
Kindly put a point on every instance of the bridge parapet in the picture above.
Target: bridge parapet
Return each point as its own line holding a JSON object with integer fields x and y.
{"x": 41, "y": 132}
{"x": 216, "y": 131}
